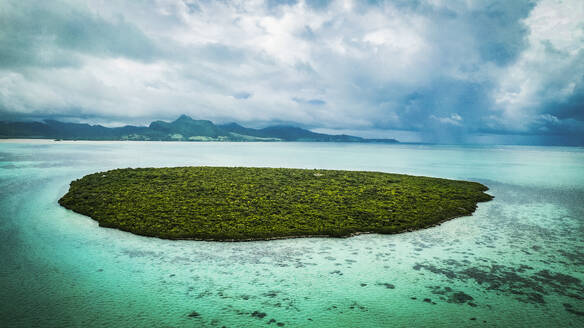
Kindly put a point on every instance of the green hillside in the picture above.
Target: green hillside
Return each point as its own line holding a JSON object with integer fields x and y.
{"x": 183, "y": 128}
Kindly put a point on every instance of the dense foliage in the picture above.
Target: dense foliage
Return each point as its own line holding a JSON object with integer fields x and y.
{"x": 237, "y": 203}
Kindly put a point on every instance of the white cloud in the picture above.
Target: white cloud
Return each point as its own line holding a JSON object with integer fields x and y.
{"x": 453, "y": 119}
{"x": 395, "y": 65}
{"x": 549, "y": 69}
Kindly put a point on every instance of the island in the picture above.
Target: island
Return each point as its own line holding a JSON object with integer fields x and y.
{"x": 250, "y": 203}
{"x": 183, "y": 128}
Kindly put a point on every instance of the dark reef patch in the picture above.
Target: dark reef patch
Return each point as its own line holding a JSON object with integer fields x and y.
{"x": 194, "y": 314}
{"x": 386, "y": 285}
{"x": 451, "y": 296}
{"x": 522, "y": 282}
{"x": 570, "y": 308}
{"x": 357, "y": 306}
{"x": 258, "y": 314}
{"x": 575, "y": 257}
{"x": 270, "y": 294}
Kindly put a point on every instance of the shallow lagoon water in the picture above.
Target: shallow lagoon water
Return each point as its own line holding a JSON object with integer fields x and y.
{"x": 518, "y": 261}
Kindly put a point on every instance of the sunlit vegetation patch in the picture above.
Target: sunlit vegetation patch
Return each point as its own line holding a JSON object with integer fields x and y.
{"x": 237, "y": 203}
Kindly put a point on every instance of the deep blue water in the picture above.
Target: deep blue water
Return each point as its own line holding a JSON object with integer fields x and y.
{"x": 518, "y": 261}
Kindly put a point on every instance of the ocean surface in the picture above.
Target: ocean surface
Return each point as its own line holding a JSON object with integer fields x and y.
{"x": 518, "y": 261}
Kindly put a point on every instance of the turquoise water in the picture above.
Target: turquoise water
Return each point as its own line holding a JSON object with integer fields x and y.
{"x": 518, "y": 261}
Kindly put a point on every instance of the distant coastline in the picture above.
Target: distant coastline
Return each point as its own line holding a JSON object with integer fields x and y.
{"x": 183, "y": 128}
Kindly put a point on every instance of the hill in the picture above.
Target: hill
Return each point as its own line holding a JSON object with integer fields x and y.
{"x": 183, "y": 128}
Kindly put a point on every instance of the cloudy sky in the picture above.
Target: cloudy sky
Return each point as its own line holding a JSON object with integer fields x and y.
{"x": 420, "y": 70}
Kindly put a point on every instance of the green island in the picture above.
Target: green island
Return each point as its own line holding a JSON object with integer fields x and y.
{"x": 244, "y": 203}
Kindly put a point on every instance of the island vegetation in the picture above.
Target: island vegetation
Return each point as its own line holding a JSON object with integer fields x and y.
{"x": 242, "y": 203}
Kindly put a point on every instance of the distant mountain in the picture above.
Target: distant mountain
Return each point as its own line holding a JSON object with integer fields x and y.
{"x": 186, "y": 126}
{"x": 183, "y": 128}
{"x": 288, "y": 133}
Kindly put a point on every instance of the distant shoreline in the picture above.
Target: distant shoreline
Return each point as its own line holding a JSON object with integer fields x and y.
{"x": 52, "y": 140}
{"x": 183, "y": 128}
{"x": 400, "y": 143}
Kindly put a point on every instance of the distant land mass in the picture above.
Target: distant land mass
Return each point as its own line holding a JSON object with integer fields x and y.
{"x": 183, "y": 128}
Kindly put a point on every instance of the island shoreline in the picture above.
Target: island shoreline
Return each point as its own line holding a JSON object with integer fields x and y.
{"x": 456, "y": 206}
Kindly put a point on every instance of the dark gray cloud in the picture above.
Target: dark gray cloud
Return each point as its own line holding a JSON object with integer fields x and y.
{"x": 500, "y": 30}
{"x": 55, "y": 34}
{"x": 439, "y": 71}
